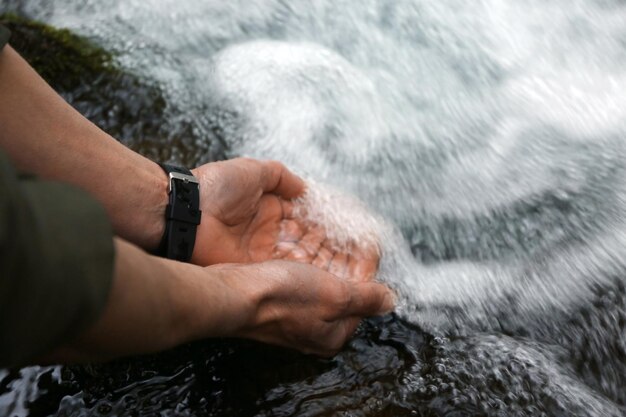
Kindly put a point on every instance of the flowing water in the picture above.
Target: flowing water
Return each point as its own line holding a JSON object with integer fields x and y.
{"x": 485, "y": 140}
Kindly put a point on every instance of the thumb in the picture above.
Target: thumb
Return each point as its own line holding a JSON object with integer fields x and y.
{"x": 369, "y": 299}
{"x": 277, "y": 179}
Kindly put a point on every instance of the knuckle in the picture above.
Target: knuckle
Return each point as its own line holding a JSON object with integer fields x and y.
{"x": 343, "y": 332}
{"x": 275, "y": 164}
{"x": 336, "y": 344}
{"x": 342, "y": 299}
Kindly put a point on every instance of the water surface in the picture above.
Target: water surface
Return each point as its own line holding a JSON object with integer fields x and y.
{"x": 487, "y": 136}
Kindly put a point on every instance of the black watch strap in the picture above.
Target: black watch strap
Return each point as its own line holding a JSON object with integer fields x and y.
{"x": 182, "y": 215}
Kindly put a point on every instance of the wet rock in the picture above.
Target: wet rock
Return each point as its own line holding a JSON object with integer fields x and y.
{"x": 131, "y": 109}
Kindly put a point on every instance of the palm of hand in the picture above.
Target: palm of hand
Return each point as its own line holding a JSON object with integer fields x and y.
{"x": 248, "y": 217}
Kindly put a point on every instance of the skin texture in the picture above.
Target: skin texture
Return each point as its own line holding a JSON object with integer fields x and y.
{"x": 308, "y": 309}
{"x": 312, "y": 305}
{"x": 245, "y": 203}
{"x": 248, "y": 216}
{"x": 156, "y": 303}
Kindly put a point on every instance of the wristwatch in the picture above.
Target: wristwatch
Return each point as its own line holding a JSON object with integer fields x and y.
{"x": 182, "y": 215}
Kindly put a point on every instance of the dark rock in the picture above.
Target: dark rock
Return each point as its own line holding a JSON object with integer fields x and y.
{"x": 130, "y": 108}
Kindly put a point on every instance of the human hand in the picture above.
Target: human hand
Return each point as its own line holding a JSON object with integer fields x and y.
{"x": 248, "y": 216}
{"x": 301, "y": 307}
{"x": 156, "y": 303}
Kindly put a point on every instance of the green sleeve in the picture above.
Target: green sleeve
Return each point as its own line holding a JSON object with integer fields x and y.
{"x": 56, "y": 264}
{"x": 4, "y": 36}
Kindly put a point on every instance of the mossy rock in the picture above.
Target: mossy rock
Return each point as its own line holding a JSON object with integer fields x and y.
{"x": 59, "y": 56}
{"x": 119, "y": 102}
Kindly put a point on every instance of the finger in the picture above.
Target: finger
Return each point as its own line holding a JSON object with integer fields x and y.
{"x": 323, "y": 258}
{"x": 306, "y": 249}
{"x": 343, "y": 329}
{"x": 291, "y": 211}
{"x": 312, "y": 241}
{"x": 277, "y": 179}
{"x": 290, "y": 231}
{"x": 299, "y": 255}
{"x": 362, "y": 269}
{"x": 369, "y": 299}
{"x": 288, "y": 209}
{"x": 333, "y": 246}
{"x": 362, "y": 264}
{"x": 283, "y": 249}
{"x": 339, "y": 265}
{"x": 353, "y": 269}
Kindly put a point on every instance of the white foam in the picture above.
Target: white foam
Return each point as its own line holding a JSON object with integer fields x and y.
{"x": 448, "y": 118}
{"x": 424, "y": 110}
{"x": 347, "y": 219}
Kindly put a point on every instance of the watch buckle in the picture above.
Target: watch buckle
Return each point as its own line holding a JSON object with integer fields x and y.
{"x": 182, "y": 177}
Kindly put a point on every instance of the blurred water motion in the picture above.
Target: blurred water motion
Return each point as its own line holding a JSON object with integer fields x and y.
{"x": 488, "y": 135}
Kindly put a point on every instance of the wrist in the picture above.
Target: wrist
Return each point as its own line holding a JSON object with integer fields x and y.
{"x": 182, "y": 215}
{"x": 211, "y": 301}
{"x": 149, "y": 220}
{"x": 254, "y": 287}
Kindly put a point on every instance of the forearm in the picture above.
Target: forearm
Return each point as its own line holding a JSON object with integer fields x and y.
{"x": 155, "y": 304}
{"x": 45, "y": 136}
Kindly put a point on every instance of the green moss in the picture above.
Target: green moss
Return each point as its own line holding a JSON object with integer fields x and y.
{"x": 59, "y": 56}
{"x": 128, "y": 107}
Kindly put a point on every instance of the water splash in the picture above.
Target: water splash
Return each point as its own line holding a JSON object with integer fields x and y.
{"x": 488, "y": 135}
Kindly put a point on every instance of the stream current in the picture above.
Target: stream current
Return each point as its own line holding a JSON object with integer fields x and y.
{"x": 486, "y": 141}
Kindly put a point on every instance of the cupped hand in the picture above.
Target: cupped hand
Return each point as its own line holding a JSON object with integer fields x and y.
{"x": 248, "y": 216}
{"x": 300, "y": 306}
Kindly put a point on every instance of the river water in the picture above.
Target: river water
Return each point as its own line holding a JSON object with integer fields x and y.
{"x": 485, "y": 140}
